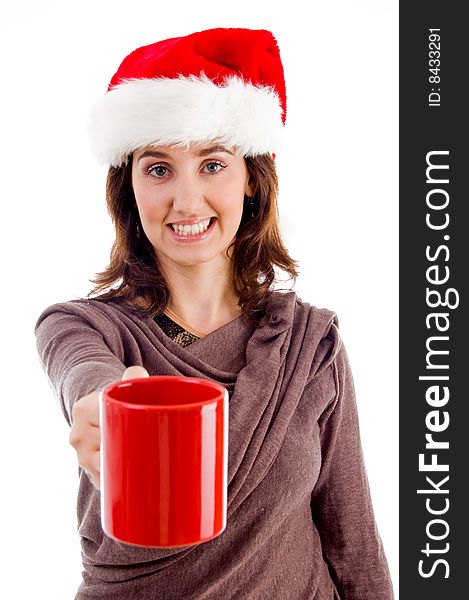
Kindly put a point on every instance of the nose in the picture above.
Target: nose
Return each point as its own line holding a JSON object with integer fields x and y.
{"x": 188, "y": 198}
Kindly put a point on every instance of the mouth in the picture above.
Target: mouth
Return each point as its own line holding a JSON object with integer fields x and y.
{"x": 197, "y": 231}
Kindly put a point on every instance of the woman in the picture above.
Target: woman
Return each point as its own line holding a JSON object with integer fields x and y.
{"x": 189, "y": 127}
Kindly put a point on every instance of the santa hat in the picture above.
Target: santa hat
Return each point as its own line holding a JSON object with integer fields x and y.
{"x": 220, "y": 85}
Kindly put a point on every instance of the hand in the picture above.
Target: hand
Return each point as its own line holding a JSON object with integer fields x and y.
{"x": 85, "y": 433}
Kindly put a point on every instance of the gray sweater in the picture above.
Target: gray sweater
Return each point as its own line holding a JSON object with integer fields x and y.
{"x": 300, "y": 520}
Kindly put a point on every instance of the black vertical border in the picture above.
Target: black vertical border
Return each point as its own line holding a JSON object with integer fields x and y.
{"x": 423, "y": 129}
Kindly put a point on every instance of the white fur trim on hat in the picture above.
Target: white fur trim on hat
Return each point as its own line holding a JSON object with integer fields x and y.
{"x": 178, "y": 112}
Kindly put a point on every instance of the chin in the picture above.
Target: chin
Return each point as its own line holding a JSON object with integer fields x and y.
{"x": 186, "y": 258}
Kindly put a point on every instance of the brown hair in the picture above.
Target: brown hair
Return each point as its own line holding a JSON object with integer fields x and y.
{"x": 257, "y": 249}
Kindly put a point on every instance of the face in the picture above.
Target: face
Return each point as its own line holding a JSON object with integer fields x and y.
{"x": 190, "y": 201}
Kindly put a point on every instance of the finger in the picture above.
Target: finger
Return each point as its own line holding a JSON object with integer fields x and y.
{"x": 86, "y": 409}
{"x": 89, "y": 461}
{"x": 84, "y": 440}
{"x": 134, "y": 372}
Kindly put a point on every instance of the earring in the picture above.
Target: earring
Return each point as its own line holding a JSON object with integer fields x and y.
{"x": 137, "y": 230}
{"x": 251, "y": 204}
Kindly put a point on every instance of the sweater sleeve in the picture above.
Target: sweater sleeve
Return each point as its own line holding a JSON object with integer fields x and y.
{"x": 341, "y": 503}
{"x": 77, "y": 357}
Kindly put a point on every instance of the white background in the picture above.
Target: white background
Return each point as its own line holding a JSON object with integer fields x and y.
{"x": 338, "y": 207}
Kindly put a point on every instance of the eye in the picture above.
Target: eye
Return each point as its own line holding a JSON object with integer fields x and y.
{"x": 217, "y": 164}
{"x": 157, "y": 170}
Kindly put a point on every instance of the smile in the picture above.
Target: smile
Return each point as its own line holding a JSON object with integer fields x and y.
{"x": 199, "y": 227}
{"x": 198, "y": 231}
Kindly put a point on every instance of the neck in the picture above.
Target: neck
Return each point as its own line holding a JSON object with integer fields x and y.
{"x": 202, "y": 295}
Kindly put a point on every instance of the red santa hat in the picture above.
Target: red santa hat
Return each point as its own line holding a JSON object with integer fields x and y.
{"x": 220, "y": 85}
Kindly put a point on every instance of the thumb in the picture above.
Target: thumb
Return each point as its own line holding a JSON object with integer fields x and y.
{"x": 134, "y": 373}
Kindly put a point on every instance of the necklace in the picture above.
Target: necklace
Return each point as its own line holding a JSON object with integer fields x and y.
{"x": 182, "y": 323}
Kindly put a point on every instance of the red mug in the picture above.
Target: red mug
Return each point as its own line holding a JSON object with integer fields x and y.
{"x": 164, "y": 460}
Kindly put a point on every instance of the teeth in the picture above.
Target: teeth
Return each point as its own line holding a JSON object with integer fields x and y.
{"x": 199, "y": 227}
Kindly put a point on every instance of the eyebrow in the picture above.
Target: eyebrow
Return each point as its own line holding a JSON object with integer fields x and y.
{"x": 203, "y": 152}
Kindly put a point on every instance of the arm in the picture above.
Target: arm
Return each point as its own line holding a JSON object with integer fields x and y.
{"x": 79, "y": 363}
{"x": 341, "y": 504}
{"x": 75, "y": 356}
